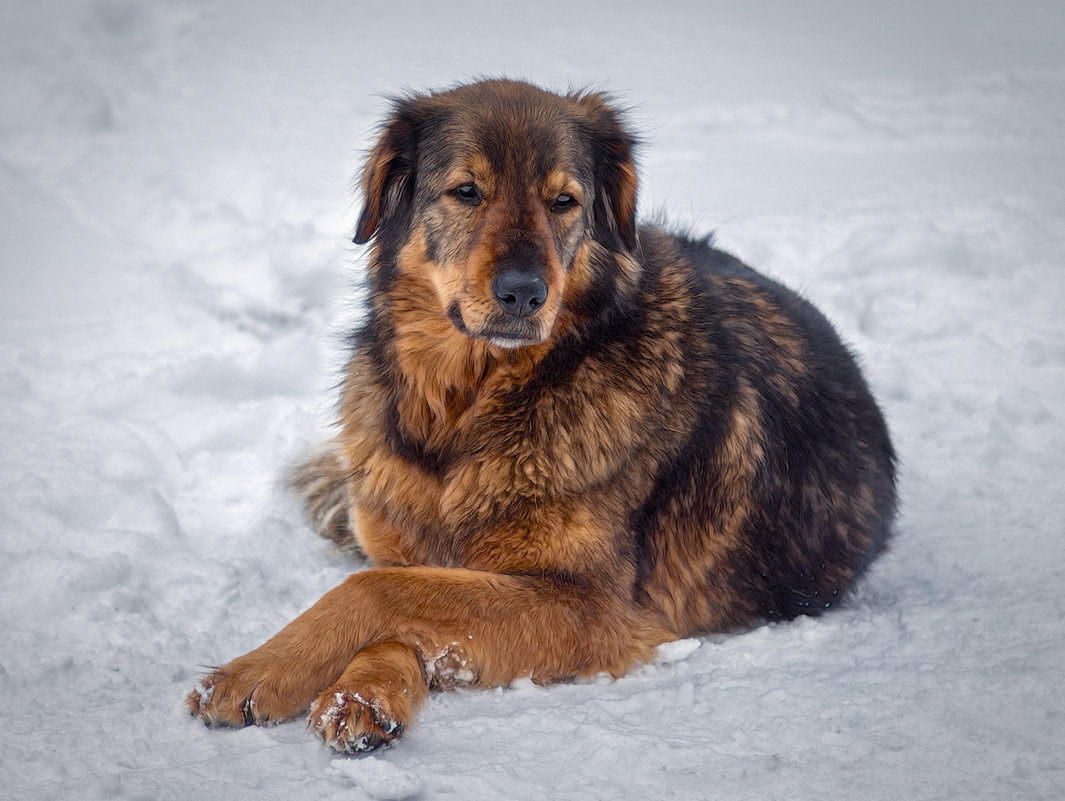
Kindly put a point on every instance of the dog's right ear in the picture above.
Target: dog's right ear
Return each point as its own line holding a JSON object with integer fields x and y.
{"x": 388, "y": 177}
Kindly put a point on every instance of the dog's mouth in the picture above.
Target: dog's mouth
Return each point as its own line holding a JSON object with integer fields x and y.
{"x": 509, "y": 339}
{"x": 501, "y": 331}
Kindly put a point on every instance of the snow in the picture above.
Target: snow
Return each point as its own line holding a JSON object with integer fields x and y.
{"x": 378, "y": 778}
{"x": 175, "y": 210}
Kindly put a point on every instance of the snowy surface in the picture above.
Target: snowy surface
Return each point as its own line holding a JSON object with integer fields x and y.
{"x": 175, "y": 203}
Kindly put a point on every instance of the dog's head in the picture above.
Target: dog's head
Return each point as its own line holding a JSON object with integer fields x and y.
{"x": 495, "y": 198}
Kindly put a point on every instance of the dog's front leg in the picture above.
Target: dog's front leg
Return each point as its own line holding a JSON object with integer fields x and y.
{"x": 369, "y": 649}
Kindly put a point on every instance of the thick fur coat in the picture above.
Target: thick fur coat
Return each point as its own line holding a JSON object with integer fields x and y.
{"x": 564, "y": 439}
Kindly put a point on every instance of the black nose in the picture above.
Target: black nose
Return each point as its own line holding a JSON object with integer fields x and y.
{"x": 519, "y": 293}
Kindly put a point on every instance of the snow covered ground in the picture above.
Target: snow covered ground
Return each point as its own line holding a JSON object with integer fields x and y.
{"x": 175, "y": 274}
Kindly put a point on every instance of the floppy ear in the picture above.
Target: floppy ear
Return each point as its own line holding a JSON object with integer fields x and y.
{"x": 615, "y": 169}
{"x": 388, "y": 177}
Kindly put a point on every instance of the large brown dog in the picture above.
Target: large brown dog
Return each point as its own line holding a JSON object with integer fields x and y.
{"x": 564, "y": 439}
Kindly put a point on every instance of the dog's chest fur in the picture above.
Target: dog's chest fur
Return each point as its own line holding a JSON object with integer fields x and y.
{"x": 463, "y": 454}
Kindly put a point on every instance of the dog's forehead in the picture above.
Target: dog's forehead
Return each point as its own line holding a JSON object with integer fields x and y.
{"x": 525, "y": 134}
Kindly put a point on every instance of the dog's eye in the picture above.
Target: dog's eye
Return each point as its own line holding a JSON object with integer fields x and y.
{"x": 563, "y": 202}
{"x": 467, "y": 193}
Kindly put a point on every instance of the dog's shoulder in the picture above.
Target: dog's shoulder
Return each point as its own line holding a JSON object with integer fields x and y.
{"x": 752, "y": 315}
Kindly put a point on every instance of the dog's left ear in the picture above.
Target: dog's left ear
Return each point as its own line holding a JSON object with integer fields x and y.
{"x": 615, "y": 168}
{"x": 388, "y": 177}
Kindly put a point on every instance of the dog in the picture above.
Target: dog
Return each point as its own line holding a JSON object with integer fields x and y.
{"x": 564, "y": 438}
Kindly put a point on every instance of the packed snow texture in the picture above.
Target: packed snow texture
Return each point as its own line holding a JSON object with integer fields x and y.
{"x": 176, "y": 204}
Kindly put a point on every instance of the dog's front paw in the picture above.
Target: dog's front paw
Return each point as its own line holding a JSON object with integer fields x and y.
{"x": 249, "y": 691}
{"x": 351, "y": 724}
{"x": 373, "y": 702}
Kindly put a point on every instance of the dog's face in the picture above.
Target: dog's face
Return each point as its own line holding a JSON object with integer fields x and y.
{"x": 493, "y": 196}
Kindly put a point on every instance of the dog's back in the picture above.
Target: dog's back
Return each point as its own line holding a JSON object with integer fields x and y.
{"x": 784, "y": 490}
